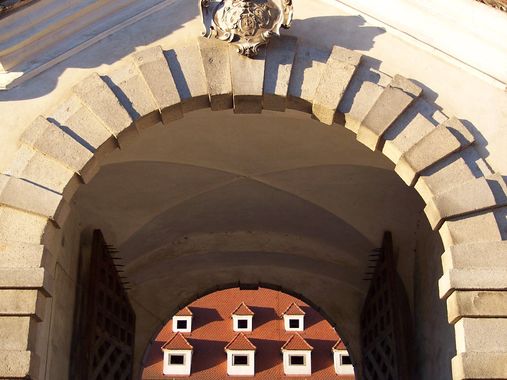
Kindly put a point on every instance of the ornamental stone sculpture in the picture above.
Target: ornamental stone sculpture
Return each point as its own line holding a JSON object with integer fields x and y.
{"x": 247, "y": 24}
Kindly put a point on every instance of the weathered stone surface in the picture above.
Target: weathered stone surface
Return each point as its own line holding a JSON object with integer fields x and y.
{"x": 247, "y": 76}
{"x": 453, "y": 171}
{"x": 155, "y": 71}
{"x": 17, "y": 333}
{"x": 133, "y": 93}
{"x": 21, "y": 226}
{"x": 481, "y": 335}
{"x": 307, "y": 69}
{"x": 25, "y": 255}
{"x": 26, "y": 278}
{"x": 356, "y": 104}
{"x": 38, "y": 168}
{"x": 96, "y": 95}
{"x": 50, "y": 140}
{"x": 414, "y": 124}
{"x": 488, "y": 254}
{"x": 189, "y": 77}
{"x": 215, "y": 60}
{"x": 338, "y": 72}
{"x": 19, "y": 364}
{"x": 80, "y": 123}
{"x": 476, "y": 195}
{"x": 393, "y": 101}
{"x": 472, "y": 279}
{"x": 24, "y": 195}
{"x": 22, "y": 302}
{"x": 440, "y": 143}
{"x": 476, "y": 304}
{"x": 479, "y": 365}
{"x": 474, "y": 228}
{"x": 280, "y": 56}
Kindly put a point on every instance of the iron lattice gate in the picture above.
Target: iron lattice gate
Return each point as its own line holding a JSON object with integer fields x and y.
{"x": 103, "y": 340}
{"x": 385, "y": 322}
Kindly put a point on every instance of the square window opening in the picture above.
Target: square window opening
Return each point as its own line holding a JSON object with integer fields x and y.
{"x": 240, "y": 360}
{"x": 294, "y": 323}
{"x": 297, "y": 360}
{"x": 242, "y": 324}
{"x": 181, "y": 325}
{"x": 177, "y": 359}
{"x": 345, "y": 360}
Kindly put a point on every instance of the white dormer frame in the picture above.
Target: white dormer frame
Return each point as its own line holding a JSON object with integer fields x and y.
{"x": 236, "y": 323}
{"x": 236, "y": 369}
{"x": 342, "y": 363}
{"x": 187, "y": 319}
{"x": 178, "y": 369}
{"x": 304, "y": 369}
{"x": 287, "y": 322}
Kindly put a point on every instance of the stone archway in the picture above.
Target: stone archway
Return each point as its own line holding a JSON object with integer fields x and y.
{"x": 63, "y": 150}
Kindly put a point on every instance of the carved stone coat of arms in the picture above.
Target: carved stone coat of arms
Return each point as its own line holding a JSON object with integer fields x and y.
{"x": 247, "y": 24}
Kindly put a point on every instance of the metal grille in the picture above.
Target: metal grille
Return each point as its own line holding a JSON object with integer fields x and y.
{"x": 107, "y": 333}
{"x": 384, "y": 321}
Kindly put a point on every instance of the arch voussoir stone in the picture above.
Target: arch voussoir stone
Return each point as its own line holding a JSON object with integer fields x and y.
{"x": 154, "y": 68}
{"x": 390, "y": 105}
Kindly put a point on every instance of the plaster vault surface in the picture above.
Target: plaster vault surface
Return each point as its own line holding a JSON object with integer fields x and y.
{"x": 175, "y": 151}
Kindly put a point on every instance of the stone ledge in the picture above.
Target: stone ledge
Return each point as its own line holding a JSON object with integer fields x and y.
{"x": 476, "y": 304}
{"x": 19, "y": 365}
{"x": 472, "y": 279}
{"x": 489, "y": 254}
{"x": 26, "y": 278}
{"x": 480, "y": 365}
{"x": 19, "y": 302}
{"x": 481, "y": 335}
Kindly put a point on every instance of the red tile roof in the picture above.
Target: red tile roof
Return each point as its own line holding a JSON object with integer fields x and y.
{"x": 212, "y": 330}
{"x": 177, "y": 342}
{"x": 240, "y": 343}
{"x": 296, "y": 342}
{"x": 242, "y": 309}
{"x": 294, "y": 309}
{"x": 339, "y": 345}
{"x": 185, "y": 312}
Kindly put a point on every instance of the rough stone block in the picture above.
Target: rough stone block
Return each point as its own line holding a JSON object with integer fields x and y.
{"x": 488, "y": 254}
{"x": 247, "y": 76}
{"x": 22, "y": 302}
{"x": 407, "y": 130}
{"x": 474, "y": 196}
{"x": 480, "y": 365}
{"x": 21, "y": 226}
{"x": 25, "y": 255}
{"x": 19, "y": 364}
{"x": 215, "y": 60}
{"x": 356, "y": 104}
{"x": 390, "y": 105}
{"x": 338, "y": 72}
{"x": 280, "y": 56}
{"x": 26, "y": 278}
{"x": 50, "y": 140}
{"x": 80, "y": 123}
{"x": 481, "y": 335}
{"x": 189, "y": 77}
{"x": 444, "y": 140}
{"x": 453, "y": 171}
{"x": 17, "y": 333}
{"x": 24, "y": 195}
{"x": 37, "y": 168}
{"x": 470, "y": 229}
{"x": 132, "y": 91}
{"x": 476, "y": 304}
{"x": 96, "y": 95}
{"x": 309, "y": 64}
{"x": 472, "y": 279}
{"x": 155, "y": 71}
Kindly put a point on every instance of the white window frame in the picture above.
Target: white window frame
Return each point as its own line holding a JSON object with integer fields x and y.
{"x": 297, "y": 355}
{"x": 234, "y": 356}
{"x": 169, "y": 357}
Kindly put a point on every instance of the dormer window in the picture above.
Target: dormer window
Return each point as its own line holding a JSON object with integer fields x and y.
{"x": 242, "y": 318}
{"x": 297, "y": 356}
{"x": 177, "y": 356}
{"x": 342, "y": 361}
{"x": 182, "y": 321}
{"x": 240, "y": 356}
{"x": 294, "y": 318}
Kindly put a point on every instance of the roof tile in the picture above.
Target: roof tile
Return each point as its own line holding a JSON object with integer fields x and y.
{"x": 296, "y": 342}
{"x": 240, "y": 343}
{"x": 177, "y": 342}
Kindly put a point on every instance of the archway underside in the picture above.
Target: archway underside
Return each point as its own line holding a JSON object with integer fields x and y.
{"x": 59, "y": 152}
